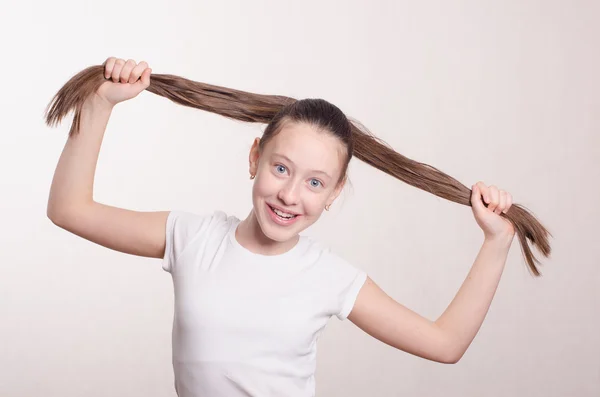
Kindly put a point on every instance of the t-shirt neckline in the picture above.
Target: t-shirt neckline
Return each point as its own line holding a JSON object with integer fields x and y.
{"x": 291, "y": 253}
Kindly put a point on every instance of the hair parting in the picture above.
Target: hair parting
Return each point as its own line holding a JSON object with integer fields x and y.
{"x": 275, "y": 110}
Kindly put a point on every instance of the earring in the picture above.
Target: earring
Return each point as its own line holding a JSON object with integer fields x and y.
{"x": 251, "y": 176}
{"x": 327, "y": 207}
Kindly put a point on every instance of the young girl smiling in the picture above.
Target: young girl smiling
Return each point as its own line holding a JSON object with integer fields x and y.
{"x": 252, "y": 296}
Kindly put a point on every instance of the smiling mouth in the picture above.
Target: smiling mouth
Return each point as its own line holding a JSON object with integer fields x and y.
{"x": 281, "y": 214}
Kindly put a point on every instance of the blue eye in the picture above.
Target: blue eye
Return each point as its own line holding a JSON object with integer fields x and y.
{"x": 318, "y": 183}
{"x": 279, "y": 167}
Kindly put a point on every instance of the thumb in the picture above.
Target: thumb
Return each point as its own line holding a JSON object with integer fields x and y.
{"x": 145, "y": 78}
{"x": 476, "y": 199}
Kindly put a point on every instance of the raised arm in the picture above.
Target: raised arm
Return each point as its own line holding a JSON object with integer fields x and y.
{"x": 70, "y": 203}
{"x": 445, "y": 340}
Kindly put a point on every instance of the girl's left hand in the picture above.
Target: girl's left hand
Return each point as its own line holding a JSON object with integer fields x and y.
{"x": 489, "y": 219}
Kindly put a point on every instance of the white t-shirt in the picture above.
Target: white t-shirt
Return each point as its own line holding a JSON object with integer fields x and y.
{"x": 247, "y": 324}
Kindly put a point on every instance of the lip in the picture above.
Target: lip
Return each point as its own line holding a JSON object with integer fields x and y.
{"x": 282, "y": 209}
{"x": 282, "y": 222}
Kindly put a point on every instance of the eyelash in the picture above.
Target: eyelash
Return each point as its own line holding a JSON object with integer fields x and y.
{"x": 313, "y": 179}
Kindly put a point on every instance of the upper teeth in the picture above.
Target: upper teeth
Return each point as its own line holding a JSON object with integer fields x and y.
{"x": 283, "y": 214}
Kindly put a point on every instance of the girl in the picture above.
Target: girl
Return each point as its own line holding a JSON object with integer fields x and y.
{"x": 252, "y": 296}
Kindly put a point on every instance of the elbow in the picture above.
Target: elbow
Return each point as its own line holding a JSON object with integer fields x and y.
{"x": 454, "y": 352}
{"x": 453, "y": 356}
{"x": 449, "y": 359}
{"x": 452, "y": 360}
{"x": 57, "y": 215}
{"x": 53, "y": 214}
{"x": 63, "y": 212}
{"x": 56, "y": 221}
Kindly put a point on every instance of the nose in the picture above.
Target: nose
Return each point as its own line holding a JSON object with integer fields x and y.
{"x": 288, "y": 193}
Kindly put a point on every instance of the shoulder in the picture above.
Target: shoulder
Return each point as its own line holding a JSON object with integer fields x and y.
{"x": 329, "y": 262}
{"x": 190, "y": 223}
{"x": 187, "y": 229}
{"x": 198, "y": 218}
{"x": 340, "y": 278}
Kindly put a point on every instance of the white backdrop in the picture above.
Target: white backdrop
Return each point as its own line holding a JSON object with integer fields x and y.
{"x": 506, "y": 92}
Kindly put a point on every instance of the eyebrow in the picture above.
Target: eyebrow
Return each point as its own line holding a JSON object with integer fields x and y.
{"x": 283, "y": 156}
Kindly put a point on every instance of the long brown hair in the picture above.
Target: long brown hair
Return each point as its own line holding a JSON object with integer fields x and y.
{"x": 274, "y": 110}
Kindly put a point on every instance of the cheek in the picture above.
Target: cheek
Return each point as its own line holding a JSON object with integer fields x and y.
{"x": 314, "y": 205}
{"x": 264, "y": 186}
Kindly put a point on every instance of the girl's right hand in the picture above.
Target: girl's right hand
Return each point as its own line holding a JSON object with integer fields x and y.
{"x": 127, "y": 80}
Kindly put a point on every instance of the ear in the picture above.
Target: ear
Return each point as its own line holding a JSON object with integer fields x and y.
{"x": 336, "y": 192}
{"x": 254, "y": 156}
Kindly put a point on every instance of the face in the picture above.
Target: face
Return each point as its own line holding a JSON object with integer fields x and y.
{"x": 296, "y": 177}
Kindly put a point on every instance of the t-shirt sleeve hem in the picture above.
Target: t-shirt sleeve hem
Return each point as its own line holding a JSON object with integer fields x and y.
{"x": 167, "y": 260}
{"x": 352, "y": 295}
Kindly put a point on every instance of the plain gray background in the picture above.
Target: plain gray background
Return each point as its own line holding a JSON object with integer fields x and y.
{"x": 505, "y": 92}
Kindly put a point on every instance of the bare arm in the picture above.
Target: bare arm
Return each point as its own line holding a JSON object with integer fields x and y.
{"x": 446, "y": 339}
{"x": 465, "y": 314}
{"x": 71, "y": 205}
{"x": 73, "y": 182}
{"x": 380, "y": 316}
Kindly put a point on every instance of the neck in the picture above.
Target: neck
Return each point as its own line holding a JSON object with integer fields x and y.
{"x": 250, "y": 236}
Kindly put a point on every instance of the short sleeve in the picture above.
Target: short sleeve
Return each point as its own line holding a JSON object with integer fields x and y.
{"x": 182, "y": 227}
{"x": 345, "y": 281}
{"x": 348, "y": 295}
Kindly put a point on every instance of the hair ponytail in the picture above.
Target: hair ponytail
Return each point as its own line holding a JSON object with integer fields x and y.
{"x": 257, "y": 108}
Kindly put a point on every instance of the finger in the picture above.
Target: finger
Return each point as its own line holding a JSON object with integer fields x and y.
{"x": 126, "y": 71}
{"x": 509, "y": 201}
{"x": 485, "y": 192}
{"x": 145, "y": 78}
{"x": 137, "y": 72}
{"x": 476, "y": 198}
{"x": 502, "y": 202}
{"x": 117, "y": 70}
{"x": 109, "y": 64}
{"x": 495, "y": 198}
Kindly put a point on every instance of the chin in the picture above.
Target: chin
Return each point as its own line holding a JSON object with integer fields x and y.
{"x": 274, "y": 233}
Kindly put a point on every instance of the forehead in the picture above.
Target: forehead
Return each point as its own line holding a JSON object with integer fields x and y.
{"x": 308, "y": 148}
